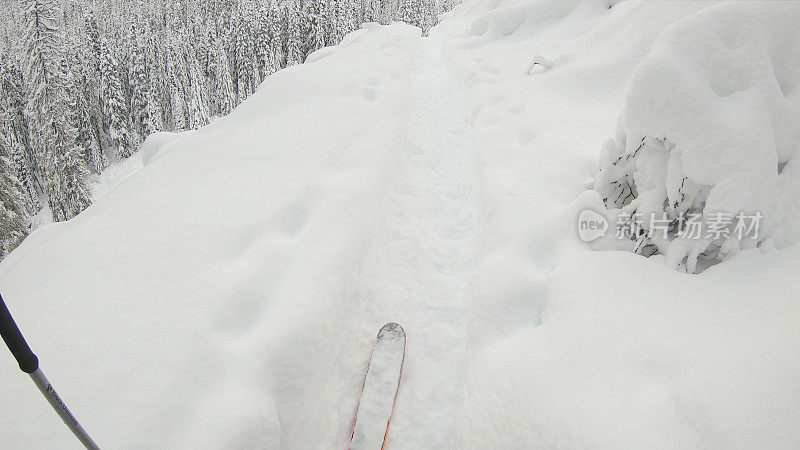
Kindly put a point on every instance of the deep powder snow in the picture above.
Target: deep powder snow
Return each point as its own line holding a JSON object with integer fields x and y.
{"x": 227, "y": 294}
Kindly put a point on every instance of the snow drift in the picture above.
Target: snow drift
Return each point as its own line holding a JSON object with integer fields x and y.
{"x": 711, "y": 125}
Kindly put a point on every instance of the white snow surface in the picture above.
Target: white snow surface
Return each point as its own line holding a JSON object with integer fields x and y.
{"x": 227, "y": 295}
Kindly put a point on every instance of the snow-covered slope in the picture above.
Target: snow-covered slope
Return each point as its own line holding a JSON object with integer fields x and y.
{"x": 213, "y": 300}
{"x": 227, "y": 295}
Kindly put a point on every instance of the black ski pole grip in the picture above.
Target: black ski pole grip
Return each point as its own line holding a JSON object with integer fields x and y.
{"x": 28, "y": 362}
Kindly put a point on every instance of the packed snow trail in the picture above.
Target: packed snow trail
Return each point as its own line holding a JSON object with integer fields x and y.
{"x": 420, "y": 263}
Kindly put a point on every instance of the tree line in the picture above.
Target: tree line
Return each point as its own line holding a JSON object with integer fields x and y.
{"x": 84, "y": 82}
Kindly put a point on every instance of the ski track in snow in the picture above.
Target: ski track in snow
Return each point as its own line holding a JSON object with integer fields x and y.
{"x": 421, "y": 261}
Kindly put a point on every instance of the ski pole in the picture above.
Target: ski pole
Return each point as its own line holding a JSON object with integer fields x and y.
{"x": 29, "y": 363}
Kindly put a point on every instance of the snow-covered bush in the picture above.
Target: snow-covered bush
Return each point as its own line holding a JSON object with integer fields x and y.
{"x": 709, "y": 136}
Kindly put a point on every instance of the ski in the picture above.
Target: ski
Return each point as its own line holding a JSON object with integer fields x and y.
{"x": 381, "y": 384}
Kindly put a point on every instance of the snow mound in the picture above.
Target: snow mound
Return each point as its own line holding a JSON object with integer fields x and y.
{"x": 709, "y": 130}
{"x": 158, "y": 142}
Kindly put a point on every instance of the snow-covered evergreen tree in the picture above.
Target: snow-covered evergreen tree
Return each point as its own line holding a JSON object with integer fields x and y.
{"x": 264, "y": 54}
{"x": 176, "y": 78}
{"x": 115, "y": 104}
{"x": 14, "y": 126}
{"x": 224, "y": 98}
{"x": 78, "y": 116}
{"x": 93, "y": 38}
{"x": 316, "y": 14}
{"x": 85, "y": 115}
{"x": 296, "y": 33}
{"x": 371, "y": 10}
{"x": 156, "y": 80}
{"x": 197, "y": 102}
{"x": 431, "y": 16}
{"x": 87, "y": 123}
{"x": 345, "y": 14}
{"x": 72, "y": 175}
{"x": 245, "y": 50}
{"x": 88, "y": 71}
{"x": 13, "y": 214}
{"x": 139, "y": 81}
{"x": 390, "y": 11}
{"x": 278, "y": 36}
{"x": 447, "y": 5}
{"x": 413, "y": 12}
{"x": 53, "y": 137}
